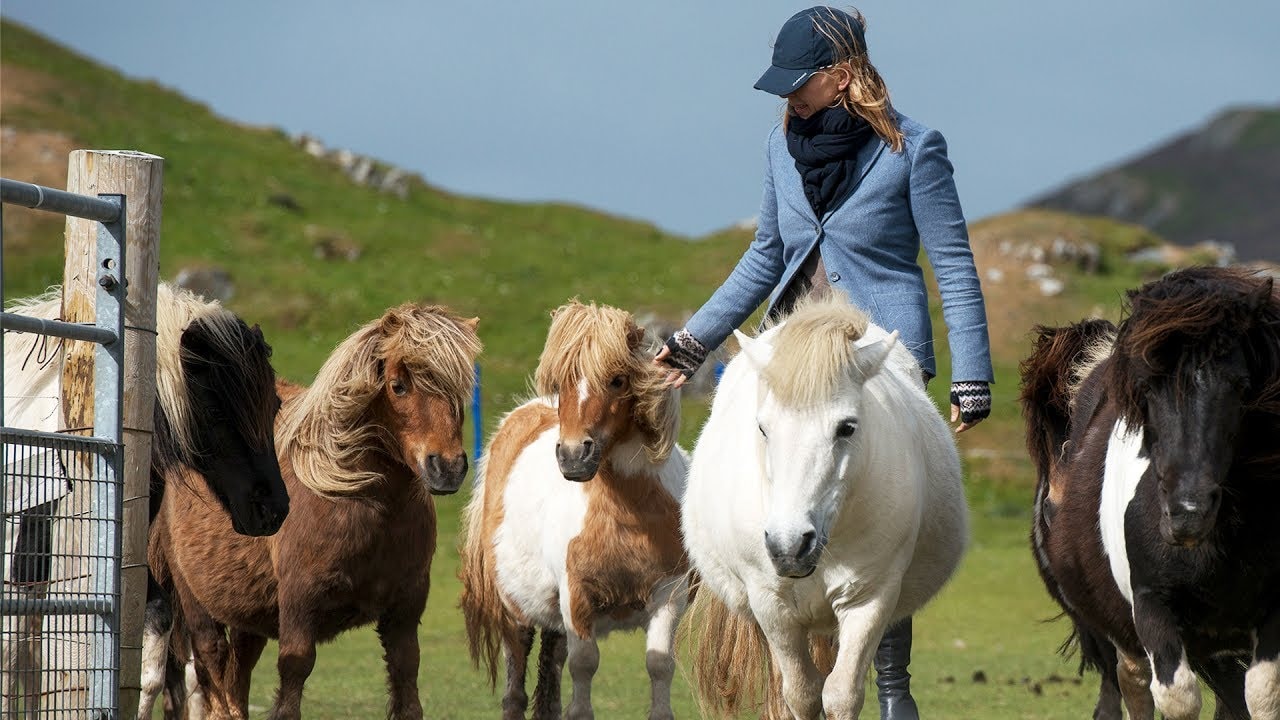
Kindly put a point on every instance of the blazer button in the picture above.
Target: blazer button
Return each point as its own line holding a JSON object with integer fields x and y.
{"x": 835, "y": 277}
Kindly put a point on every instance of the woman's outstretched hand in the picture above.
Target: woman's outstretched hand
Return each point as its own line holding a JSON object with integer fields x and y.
{"x": 675, "y": 378}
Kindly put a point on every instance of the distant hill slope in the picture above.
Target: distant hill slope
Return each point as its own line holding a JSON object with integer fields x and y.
{"x": 313, "y": 254}
{"x": 1220, "y": 182}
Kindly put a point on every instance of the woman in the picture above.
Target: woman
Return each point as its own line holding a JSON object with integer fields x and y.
{"x": 852, "y": 190}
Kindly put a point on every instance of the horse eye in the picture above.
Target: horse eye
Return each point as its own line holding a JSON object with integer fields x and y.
{"x": 617, "y": 382}
{"x": 398, "y": 387}
{"x": 846, "y": 428}
{"x": 762, "y": 432}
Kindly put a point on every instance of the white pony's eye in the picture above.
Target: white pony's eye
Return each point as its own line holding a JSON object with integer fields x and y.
{"x": 846, "y": 428}
{"x": 763, "y": 434}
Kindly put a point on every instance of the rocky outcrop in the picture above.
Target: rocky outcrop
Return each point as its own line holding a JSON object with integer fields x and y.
{"x": 362, "y": 170}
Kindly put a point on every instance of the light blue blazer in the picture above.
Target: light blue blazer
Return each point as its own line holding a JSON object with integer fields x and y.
{"x": 869, "y": 246}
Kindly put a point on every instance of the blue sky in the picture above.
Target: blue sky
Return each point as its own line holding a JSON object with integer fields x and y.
{"x": 646, "y": 109}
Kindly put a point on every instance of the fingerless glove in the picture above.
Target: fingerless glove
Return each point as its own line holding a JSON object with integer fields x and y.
{"x": 687, "y": 354}
{"x": 973, "y": 398}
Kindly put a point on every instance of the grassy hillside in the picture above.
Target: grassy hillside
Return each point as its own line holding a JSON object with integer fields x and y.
{"x": 1216, "y": 182}
{"x": 981, "y": 645}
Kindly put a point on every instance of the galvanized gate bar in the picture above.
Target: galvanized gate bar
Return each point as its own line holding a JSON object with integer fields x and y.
{"x": 56, "y": 328}
{"x": 108, "y": 403}
{"x": 37, "y": 438}
{"x": 40, "y": 197}
{"x": 57, "y": 606}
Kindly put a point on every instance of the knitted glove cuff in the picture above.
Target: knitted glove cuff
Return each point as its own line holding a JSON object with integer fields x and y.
{"x": 687, "y": 353}
{"x": 973, "y": 398}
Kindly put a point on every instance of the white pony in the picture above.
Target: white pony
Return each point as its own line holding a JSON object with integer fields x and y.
{"x": 574, "y": 523}
{"x": 824, "y": 498}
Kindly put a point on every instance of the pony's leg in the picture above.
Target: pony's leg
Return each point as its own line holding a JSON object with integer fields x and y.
{"x": 1173, "y": 686}
{"x": 296, "y": 661}
{"x": 584, "y": 660}
{"x": 1133, "y": 676}
{"x": 1225, "y": 676}
{"x": 1262, "y": 682}
{"x": 858, "y": 636}
{"x": 156, "y": 628}
{"x": 398, "y": 631}
{"x": 209, "y": 651}
{"x": 197, "y": 705}
{"x": 789, "y": 649}
{"x": 515, "y": 700}
{"x": 551, "y": 656}
{"x": 246, "y": 648}
{"x": 660, "y": 638}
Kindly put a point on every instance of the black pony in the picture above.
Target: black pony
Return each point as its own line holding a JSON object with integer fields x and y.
{"x": 1158, "y": 455}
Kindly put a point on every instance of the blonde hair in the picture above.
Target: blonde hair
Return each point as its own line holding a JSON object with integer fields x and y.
{"x": 326, "y": 430}
{"x": 866, "y": 96}
{"x": 814, "y": 349}
{"x": 594, "y": 343}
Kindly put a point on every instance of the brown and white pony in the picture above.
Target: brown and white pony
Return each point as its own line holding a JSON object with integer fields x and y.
{"x": 574, "y": 522}
{"x": 1159, "y": 482}
{"x": 362, "y": 451}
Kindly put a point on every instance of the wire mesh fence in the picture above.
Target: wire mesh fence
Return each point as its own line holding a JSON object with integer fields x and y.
{"x": 59, "y": 656}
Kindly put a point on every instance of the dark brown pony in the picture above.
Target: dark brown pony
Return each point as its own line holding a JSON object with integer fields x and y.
{"x": 362, "y": 451}
{"x": 1159, "y": 480}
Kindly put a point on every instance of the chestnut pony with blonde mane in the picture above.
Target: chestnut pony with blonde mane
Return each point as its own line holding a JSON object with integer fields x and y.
{"x": 362, "y": 451}
{"x": 574, "y": 524}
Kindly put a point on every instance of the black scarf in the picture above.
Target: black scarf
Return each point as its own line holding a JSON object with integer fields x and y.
{"x": 826, "y": 147}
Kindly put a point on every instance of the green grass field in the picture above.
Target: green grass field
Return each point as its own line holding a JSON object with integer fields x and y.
{"x": 983, "y": 648}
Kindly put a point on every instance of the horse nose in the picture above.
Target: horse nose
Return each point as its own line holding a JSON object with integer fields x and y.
{"x": 1189, "y": 516}
{"x": 789, "y": 546}
{"x": 444, "y": 477}
{"x": 793, "y": 554}
{"x": 578, "y": 461}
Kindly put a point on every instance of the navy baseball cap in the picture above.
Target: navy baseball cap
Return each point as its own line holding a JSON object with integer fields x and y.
{"x": 802, "y": 49}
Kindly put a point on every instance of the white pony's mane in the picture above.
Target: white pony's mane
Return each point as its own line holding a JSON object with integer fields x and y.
{"x": 33, "y": 368}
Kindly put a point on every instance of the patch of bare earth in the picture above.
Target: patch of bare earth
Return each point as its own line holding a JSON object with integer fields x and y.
{"x": 35, "y": 156}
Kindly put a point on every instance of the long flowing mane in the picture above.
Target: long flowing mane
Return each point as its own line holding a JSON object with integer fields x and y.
{"x": 1193, "y": 316}
{"x": 814, "y": 348}
{"x": 597, "y": 343}
{"x": 236, "y": 356}
{"x": 326, "y": 429}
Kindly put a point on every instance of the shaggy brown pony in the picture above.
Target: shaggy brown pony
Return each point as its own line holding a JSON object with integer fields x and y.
{"x": 361, "y": 451}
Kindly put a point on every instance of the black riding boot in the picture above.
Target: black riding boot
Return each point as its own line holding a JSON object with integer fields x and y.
{"x": 893, "y": 682}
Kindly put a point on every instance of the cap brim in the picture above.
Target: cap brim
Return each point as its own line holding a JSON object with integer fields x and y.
{"x": 782, "y": 81}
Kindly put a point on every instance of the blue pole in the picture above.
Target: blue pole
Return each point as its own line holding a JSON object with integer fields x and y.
{"x": 475, "y": 417}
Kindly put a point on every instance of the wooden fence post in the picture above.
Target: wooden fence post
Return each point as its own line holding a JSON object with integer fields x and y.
{"x": 139, "y": 177}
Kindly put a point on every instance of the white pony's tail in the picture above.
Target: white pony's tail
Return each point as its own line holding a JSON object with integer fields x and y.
{"x": 733, "y": 672}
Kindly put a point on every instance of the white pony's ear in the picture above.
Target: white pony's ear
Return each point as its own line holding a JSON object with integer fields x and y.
{"x": 752, "y": 349}
{"x": 870, "y": 358}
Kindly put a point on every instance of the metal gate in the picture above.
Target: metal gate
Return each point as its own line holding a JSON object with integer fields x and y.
{"x": 62, "y": 497}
